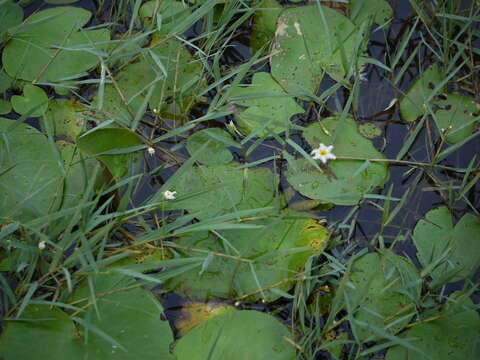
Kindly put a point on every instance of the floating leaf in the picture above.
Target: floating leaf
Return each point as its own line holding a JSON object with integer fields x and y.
{"x": 412, "y": 103}
{"x": 216, "y": 152}
{"x": 129, "y": 317}
{"x": 269, "y": 108}
{"x": 264, "y": 258}
{"x": 237, "y": 335}
{"x": 170, "y": 12}
{"x": 64, "y": 117}
{"x": 54, "y": 40}
{"x": 264, "y": 25}
{"x": 362, "y": 10}
{"x": 345, "y": 181}
{"x": 450, "y": 252}
{"x": 111, "y": 140}
{"x": 33, "y": 98}
{"x": 5, "y": 82}
{"x": 455, "y": 115}
{"x": 379, "y": 290}
{"x": 309, "y": 41}
{"x": 11, "y": 14}
{"x": 31, "y": 176}
{"x": 214, "y": 190}
{"x": 450, "y": 336}
{"x": 172, "y": 72}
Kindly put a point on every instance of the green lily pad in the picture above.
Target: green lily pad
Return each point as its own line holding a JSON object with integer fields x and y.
{"x": 237, "y": 335}
{"x": 213, "y": 190}
{"x": 11, "y": 14}
{"x": 305, "y": 47}
{"x": 454, "y": 116}
{"x": 53, "y": 39}
{"x": 380, "y": 290}
{"x": 345, "y": 182}
{"x": 194, "y": 313}
{"x": 130, "y": 318}
{"x": 451, "y": 250}
{"x": 31, "y": 178}
{"x": 111, "y": 140}
{"x": 174, "y": 83}
{"x": 5, "y": 107}
{"x": 216, "y": 152}
{"x": 33, "y": 98}
{"x": 451, "y": 336}
{"x": 264, "y": 25}
{"x": 362, "y": 10}
{"x": 171, "y": 12}
{"x": 271, "y": 255}
{"x": 64, "y": 116}
{"x": 269, "y": 108}
{"x": 412, "y": 103}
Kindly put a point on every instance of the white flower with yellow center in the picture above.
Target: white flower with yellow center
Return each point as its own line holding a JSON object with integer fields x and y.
{"x": 150, "y": 150}
{"x": 169, "y": 195}
{"x": 323, "y": 153}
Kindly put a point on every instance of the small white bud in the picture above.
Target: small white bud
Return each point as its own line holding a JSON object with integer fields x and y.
{"x": 42, "y": 245}
{"x": 169, "y": 195}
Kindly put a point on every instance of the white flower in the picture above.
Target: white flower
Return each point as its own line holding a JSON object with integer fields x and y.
{"x": 150, "y": 150}
{"x": 323, "y": 153}
{"x": 169, "y": 195}
{"x": 363, "y": 76}
{"x": 42, "y": 245}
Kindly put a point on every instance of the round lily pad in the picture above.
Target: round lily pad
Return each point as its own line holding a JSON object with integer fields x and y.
{"x": 264, "y": 25}
{"x": 33, "y": 103}
{"x": 380, "y": 290}
{"x": 32, "y": 179}
{"x": 455, "y": 116}
{"x": 264, "y": 258}
{"x": 129, "y": 320}
{"x": 237, "y": 335}
{"x": 53, "y": 39}
{"x": 171, "y": 13}
{"x": 216, "y": 152}
{"x": 11, "y": 14}
{"x": 5, "y": 107}
{"x": 268, "y": 107}
{"x": 306, "y": 46}
{"x": 451, "y": 252}
{"x": 369, "y": 130}
{"x": 344, "y": 182}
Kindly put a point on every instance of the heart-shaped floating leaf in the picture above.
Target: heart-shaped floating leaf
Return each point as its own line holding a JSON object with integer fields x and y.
{"x": 362, "y": 10}
{"x": 345, "y": 181}
{"x": 31, "y": 175}
{"x": 5, "y": 82}
{"x": 64, "y": 117}
{"x": 264, "y": 25}
{"x": 11, "y": 14}
{"x": 412, "y": 103}
{"x": 209, "y": 191}
{"x": 309, "y": 41}
{"x": 456, "y": 116}
{"x": 119, "y": 143}
{"x": 449, "y": 252}
{"x": 123, "y": 323}
{"x": 167, "y": 73}
{"x": 237, "y": 335}
{"x": 379, "y": 290}
{"x": 54, "y": 41}
{"x": 33, "y": 103}
{"x": 216, "y": 151}
{"x": 269, "y": 108}
{"x": 454, "y": 334}
{"x": 264, "y": 259}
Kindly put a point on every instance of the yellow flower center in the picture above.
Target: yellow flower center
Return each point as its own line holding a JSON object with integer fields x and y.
{"x": 323, "y": 152}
